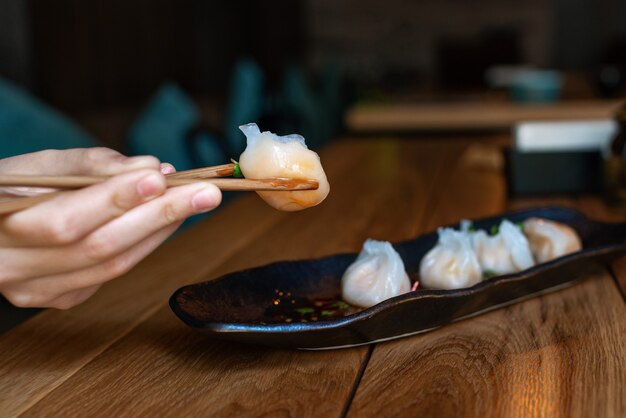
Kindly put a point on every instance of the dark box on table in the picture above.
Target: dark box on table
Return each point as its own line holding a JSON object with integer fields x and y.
{"x": 554, "y": 172}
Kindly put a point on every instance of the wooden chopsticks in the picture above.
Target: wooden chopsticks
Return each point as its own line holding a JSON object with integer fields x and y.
{"x": 214, "y": 175}
{"x": 226, "y": 184}
{"x": 224, "y": 170}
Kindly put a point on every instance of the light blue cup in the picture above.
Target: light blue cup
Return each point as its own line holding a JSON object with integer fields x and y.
{"x": 537, "y": 86}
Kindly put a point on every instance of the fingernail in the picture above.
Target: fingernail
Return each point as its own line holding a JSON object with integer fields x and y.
{"x": 167, "y": 168}
{"x": 206, "y": 199}
{"x": 151, "y": 185}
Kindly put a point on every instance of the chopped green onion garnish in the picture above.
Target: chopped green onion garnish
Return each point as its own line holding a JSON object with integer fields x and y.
{"x": 236, "y": 170}
{"x": 494, "y": 230}
{"x": 489, "y": 273}
{"x": 305, "y": 311}
{"x": 343, "y": 305}
{"x": 327, "y": 313}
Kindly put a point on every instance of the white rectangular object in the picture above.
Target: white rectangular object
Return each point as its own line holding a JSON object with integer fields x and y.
{"x": 564, "y": 136}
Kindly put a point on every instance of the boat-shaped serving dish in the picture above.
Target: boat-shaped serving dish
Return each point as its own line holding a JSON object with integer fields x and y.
{"x": 296, "y": 304}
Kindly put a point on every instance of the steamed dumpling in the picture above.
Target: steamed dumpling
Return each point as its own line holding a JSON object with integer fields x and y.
{"x": 550, "y": 240}
{"x": 268, "y": 155}
{"x": 377, "y": 274}
{"x": 506, "y": 252}
{"x": 451, "y": 264}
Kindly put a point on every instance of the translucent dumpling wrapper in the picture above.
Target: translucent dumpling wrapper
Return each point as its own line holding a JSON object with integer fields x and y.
{"x": 550, "y": 240}
{"x": 451, "y": 264}
{"x": 268, "y": 155}
{"x": 506, "y": 252}
{"x": 377, "y": 274}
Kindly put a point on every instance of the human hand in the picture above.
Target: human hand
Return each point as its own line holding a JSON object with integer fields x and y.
{"x": 59, "y": 252}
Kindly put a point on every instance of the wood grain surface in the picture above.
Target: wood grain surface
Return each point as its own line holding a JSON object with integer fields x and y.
{"x": 349, "y": 216}
{"x": 59, "y": 343}
{"x": 127, "y": 301}
{"x": 123, "y": 353}
{"x": 408, "y": 117}
{"x": 559, "y": 355}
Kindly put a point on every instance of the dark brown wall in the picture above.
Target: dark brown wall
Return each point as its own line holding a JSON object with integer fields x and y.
{"x": 111, "y": 52}
{"x": 271, "y": 32}
{"x": 370, "y": 37}
{"x": 101, "y": 52}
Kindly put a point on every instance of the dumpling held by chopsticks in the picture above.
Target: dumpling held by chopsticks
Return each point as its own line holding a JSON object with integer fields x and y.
{"x": 269, "y": 155}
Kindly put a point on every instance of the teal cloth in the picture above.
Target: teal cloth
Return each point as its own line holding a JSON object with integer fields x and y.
{"x": 331, "y": 97}
{"x": 245, "y": 103}
{"x": 309, "y": 109}
{"x": 208, "y": 150}
{"x": 163, "y": 125}
{"x": 162, "y": 130}
{"x": 28, "y": 125}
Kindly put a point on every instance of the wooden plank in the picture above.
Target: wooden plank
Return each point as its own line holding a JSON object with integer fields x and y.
{"x": 562, "y": 354}
{"x": 407, "y": 117}
{"x": 55, "y": 344}
{"x": 524, "y": 360}
{"x": 594, "y": 207}
{"x": 472, "y": 189}
{"x": 163, "y": 367}
{"x": 386, "y": 198}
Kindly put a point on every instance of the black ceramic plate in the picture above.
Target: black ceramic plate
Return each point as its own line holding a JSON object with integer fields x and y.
{"x": 240, "y": 307}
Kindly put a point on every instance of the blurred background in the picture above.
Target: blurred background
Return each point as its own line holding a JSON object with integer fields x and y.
{"x": 175, "y": 78}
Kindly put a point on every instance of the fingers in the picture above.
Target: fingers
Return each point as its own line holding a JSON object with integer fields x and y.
{"x": 111, "y": 239}
{"x": 73, "y": 298}
{"x": 66, "y": 290}
{"x": 72, "y": 215}
{"x": 107, "y": 162}
{"x": 59, "y": 252}
{"x": 175, "y": 205}
{"x": 78, "y": 161}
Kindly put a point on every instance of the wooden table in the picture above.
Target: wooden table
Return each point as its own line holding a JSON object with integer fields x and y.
{"x": 468, "y": 116}
{"x": 124, "y": 353}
